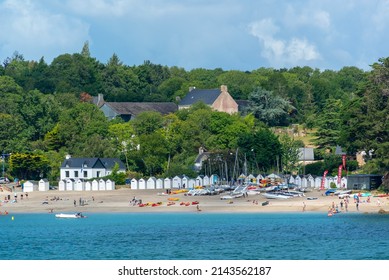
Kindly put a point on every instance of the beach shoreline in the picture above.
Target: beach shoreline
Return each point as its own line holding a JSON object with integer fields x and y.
{"x": 121, "y": 201}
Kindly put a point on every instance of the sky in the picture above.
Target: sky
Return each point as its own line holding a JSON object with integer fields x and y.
{"x": 239, "y": 35}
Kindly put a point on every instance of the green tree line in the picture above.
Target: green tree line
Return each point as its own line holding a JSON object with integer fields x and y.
{"x": 45, "y": 112}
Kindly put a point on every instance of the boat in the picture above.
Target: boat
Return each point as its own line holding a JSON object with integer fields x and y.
{"x": 275, "y": 195}
{"x": 70, "y": 216}
{"x": 265, "y": 203}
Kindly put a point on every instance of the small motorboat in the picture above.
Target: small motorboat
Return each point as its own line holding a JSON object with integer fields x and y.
{"x": 70, "y": 216}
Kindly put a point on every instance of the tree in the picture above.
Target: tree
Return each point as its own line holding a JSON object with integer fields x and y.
{"x": 290, "y": 153}
{"x": 31, "y": 166}
{"x": 268, "y": 107}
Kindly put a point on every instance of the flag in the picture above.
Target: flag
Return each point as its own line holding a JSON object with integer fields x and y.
{"x": 340, "y": 173}
{"x": 344, "y": 161}
{"x": 323, "y": 179}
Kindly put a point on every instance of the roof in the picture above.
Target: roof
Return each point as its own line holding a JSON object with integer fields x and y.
{"x": 208, "y": 96}
{"x": 107, "y": 163}
{"x": 135, "y": 108}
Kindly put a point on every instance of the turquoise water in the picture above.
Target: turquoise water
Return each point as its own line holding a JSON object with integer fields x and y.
{"x": 195, "y": 236}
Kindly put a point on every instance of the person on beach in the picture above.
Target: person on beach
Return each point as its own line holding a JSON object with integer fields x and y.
{"x": 74, "y": 202}
{"x": 304, "y": 206}
{"x": 357, "y": 205}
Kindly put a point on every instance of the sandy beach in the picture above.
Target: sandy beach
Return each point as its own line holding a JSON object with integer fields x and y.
{"x": 120, "y": 200}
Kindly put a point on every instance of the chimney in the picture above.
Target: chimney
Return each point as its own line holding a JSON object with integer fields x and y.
{"x": 68, "y": 156}
{"x": 191, "y": 88}
{"x": 223, "y": 88}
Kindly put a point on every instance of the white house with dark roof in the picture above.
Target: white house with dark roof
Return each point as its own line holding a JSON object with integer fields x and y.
{"x": 88, "y": 168}
{"x": 218, "y": 99}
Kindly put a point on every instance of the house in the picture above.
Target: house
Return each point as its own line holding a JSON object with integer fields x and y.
{"x": 88, "y": 168}
{"x": 129, "y": 110}
{"x": 364, "y": 181}
{"x": 218, "y": 99}
{"x": 306, "y": 155}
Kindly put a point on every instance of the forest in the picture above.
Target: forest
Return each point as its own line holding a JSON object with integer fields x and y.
{"x": 46, "y": 113}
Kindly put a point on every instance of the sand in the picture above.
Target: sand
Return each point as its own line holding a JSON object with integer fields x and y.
{"x": 120, "y": 201}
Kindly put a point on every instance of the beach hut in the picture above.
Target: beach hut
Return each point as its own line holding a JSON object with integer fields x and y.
{"x": 191, "y": 183}
{"x": 291, "y": 180}
{"x": 109, "y": 185}
{"x": 43, "y": 185}
{"x": 259, "y": 178}
{"x": 167, "y": 183}
{"x": 159, "y": 183}
{"x": 70, "y": 184}
{"x": 344, "y": 183}
{"x": 214, "y": 179}
{"x": 150, "y": 184}
{"x": 79, "y": 185}
{"x": 134, "y": 184}
{"x": 95, "y": 185}
{"x": 62, "y": 185}
{"x": 297, "y": 181}
{"x": 102, "y": 186}
{"x": 30, "y": 186}
{"x": 206, "y": 181}
{"x": 199, "y": 180}
{"x": 318, "y": 182}
{"x": 184, "y": 181}
{"x": 142, "y": 184}
{"x": 88, "y": 186}
{"x": 304, "y": 182}
{"x": 177, "y": 182}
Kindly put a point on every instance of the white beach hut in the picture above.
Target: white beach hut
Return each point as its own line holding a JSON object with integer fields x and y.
{"x": 134, "y": 184}
{"x": 259, "y": 178}
{"x": 109, "y": 185}
{"x": 291, "y": 180}
{"x": 88, "y": 186}
{"x": 344, "y": 182}
{"x": 191, "y": 183}
{"x": 30, "y": 186}
{"x": 70, "y": 184}
{"x": 297, "y": 180}
{"x": 150, "y": 184}
{"x": 184, "y": 181}
{"x": 102, "y": 186}
{"x": 318, "y": 182}
{"x": 79, "y": 185}
{"x": 304, "y": 182}
{"x": 167, "y": 183}
{"x": 177, "y": 182}
{"x": 142, "y": 184}
{"x": 159, "y": 183}
{"x": 43, "y": 185}
{"x": 62, "y": 185}
{"x": 206, "y": 181}
{"x": 95, "y": 185}
{"x": 199, "y": 180}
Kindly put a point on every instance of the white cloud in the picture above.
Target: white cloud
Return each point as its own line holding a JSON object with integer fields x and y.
{"x": 34, "y": 32}
{"x": 281, "y": 52}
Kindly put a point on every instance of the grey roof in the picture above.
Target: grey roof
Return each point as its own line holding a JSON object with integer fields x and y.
{"x": 135, "y": 108}
{"x": 107, "y": 163}
{"x": 338, "y": 150}
{"x": 208, "y": 96}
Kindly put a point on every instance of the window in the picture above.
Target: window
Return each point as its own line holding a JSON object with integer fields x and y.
{"x": 67, "y": 174}
{"x": 98, "y": 174}
{"x": 75, "y": 174}
{"x": 85, "y": 174}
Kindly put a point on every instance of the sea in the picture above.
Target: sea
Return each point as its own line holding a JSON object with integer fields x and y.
{"x": 195, "y": 236}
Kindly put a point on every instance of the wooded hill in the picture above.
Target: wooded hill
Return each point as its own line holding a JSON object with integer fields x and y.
{"x": 45, "y": 113}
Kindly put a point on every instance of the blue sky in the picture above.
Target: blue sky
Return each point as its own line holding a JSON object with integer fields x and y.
{"x": 231, "y": 34}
